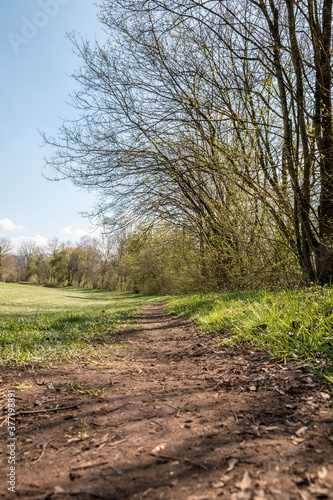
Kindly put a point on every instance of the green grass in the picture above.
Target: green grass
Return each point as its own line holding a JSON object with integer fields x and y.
{"x": 294, "y": 325}
{"x": 39, "y": 324}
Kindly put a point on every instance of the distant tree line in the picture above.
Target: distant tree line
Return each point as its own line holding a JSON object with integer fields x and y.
{"x": 210, "y": 121}
{"x": 148, "y": 259}
{"x": 86, "y": 264}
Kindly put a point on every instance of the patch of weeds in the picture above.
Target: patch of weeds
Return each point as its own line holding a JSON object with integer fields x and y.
{"x": 97, "y": 393}
{"x": 77, "y": 388}
{"x": 74, "y": 387}
{"x": 82, "y": 435}
{"x": 136, "y": 370}
{"x": 20, "y": 387}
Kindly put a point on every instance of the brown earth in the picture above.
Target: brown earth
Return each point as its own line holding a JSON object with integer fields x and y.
{"x": 171, "y": 415}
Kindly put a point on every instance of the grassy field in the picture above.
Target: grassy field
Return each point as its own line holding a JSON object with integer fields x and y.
{"x": 289, "y": 324}
{"x": 39, "y": 324}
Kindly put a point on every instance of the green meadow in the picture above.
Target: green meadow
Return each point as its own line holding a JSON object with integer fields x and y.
{"x": 40, "y": 324}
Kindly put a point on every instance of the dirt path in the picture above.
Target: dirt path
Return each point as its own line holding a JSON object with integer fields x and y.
{"x": 180, "y": 418}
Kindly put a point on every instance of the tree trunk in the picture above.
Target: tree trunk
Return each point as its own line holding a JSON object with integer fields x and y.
{"x": 325, "y": 146}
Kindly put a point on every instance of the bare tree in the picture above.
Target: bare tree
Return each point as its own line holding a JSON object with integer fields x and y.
{"x": 27, "y": 255}
{"x": 215, "y": 116}
{"x": 5, "y": 251}
{"x": 279, "y": 55}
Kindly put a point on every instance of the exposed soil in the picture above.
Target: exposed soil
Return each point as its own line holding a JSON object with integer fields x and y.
{"x": 184, "y": 418}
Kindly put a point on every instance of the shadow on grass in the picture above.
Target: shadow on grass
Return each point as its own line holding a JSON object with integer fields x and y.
{"x": 190, "y": 305}
{"x": 27, "y": 339}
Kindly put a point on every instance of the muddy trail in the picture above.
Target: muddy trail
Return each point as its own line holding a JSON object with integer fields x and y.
{"x": 170, "y": 415}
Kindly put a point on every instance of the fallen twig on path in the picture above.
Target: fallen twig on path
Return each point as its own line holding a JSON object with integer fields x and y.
{"x": 188, "y": 460}
{"x": 216, "y": 386}
{"x": 75, "y": 494}
{"x": 43, "y": 451}
{"x": 118, "y": 442}
{"x": 88, "y": 465}
{"x": 174, "y": 407}
{"x": 48, "y": 410}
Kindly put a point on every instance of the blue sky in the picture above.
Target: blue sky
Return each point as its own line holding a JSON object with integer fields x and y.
{"x": 36, "y": 59}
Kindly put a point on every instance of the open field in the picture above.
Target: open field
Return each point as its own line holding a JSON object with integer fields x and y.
{"x": 39, "y": 324}
{"x": 288, "y": 324}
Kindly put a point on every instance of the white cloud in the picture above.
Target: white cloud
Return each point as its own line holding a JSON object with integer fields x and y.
{"x": 8, "y": 225}
{"x": 38, "y": 240}
{"x": 68, "y": 231}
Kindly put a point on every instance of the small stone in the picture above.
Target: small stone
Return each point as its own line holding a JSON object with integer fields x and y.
{"x": 322, "y": 473}
{"x": 58, "y": 489}
{"x": 220, "y": 484}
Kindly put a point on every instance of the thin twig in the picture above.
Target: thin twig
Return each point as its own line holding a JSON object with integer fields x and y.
{"x": 215, "y": 386}
{"x": 115, "y": 469}
{"x": 47, "y": 410}
{"x": 75, "y": 494}
{"x": 117, "y": 442}
{"x": 174, "y": 407}
{"x": 88, "y": 465}
{"x": 188, "y": 460}
{"x": 117, "y": 407}
{"x": 43, "y": 451}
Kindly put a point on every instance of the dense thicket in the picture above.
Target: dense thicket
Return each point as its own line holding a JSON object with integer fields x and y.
{"x": 212, "y": 118}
